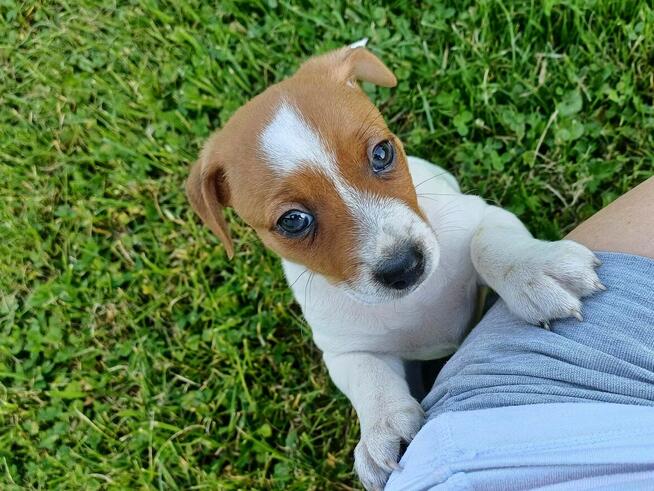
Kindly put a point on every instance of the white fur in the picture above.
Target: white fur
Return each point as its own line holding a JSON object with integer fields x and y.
{"x": 474, "y": 243}
{"x": 289, "y": 143}
{"x": 361, "y": 43}
{"x": 385, "y": 222}
{"x": 538, "y": 280}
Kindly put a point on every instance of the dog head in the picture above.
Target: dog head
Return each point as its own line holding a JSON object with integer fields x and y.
{"x": 312, "y": 167}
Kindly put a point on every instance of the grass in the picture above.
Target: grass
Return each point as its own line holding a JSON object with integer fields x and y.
{"x": 133, "y": 354}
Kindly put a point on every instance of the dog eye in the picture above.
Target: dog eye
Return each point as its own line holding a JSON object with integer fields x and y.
{"x": 295, "y": 223}
{"x": 382, "y": 157}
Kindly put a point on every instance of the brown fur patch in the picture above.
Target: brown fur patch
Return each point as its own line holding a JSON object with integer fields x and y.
{"x": 327, "y": 249}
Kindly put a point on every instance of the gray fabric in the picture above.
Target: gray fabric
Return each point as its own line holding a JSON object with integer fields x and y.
{"x": 559, "y": 446}
{"x": 609, "y": 357}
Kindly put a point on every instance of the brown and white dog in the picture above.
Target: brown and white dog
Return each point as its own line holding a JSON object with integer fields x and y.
{"x": 393, "y": 275}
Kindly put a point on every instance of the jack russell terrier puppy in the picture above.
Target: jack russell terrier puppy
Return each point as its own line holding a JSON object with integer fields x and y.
{"x": 383, "y": 252}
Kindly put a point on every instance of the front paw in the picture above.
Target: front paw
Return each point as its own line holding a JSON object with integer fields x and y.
{"x": 549, "y": 279}
{"x": 376, "y": 455}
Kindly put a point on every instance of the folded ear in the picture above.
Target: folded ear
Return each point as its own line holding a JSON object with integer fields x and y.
{"x": 351, "y": 64}
{"x": 208, "y": 192}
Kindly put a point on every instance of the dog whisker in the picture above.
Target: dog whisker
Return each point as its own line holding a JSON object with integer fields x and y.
{"x": 429, "y": 179}
{"x": 440, "y": 194}
{"x": 363, "y": 122}
{"x": 372, "y": 121}
{"x": 298, "y": 277}
{"x": 307, "y": 287}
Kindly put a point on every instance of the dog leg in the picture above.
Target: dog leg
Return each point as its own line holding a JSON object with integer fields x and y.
{"x": 538, "y": 280}
{"x": 388, "y": 415}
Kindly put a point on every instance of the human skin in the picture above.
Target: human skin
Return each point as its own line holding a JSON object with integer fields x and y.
{"x": 626, "y": 225}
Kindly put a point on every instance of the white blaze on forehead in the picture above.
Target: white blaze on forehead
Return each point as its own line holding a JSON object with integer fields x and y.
{"x": 289, "y": 143}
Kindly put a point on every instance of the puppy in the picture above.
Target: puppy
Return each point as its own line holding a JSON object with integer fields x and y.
{"x": 382, "y": 251}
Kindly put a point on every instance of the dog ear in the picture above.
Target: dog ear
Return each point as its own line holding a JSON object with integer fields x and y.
{"x": 351, "y": 64}
{"x": 208, "y": 192}
{"x": 367, "y": 67}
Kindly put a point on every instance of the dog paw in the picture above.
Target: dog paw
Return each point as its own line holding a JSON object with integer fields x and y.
{"x": 549, "y": 280}
{"x": 377, "y": 453}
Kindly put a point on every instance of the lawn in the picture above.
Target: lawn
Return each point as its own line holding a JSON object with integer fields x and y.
{"x": 133, "y": 354}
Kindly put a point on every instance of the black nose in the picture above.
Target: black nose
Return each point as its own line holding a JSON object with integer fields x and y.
{"x": 402, "y": 269}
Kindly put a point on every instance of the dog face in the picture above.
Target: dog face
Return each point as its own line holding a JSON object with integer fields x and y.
{"x": 312, "y": 167}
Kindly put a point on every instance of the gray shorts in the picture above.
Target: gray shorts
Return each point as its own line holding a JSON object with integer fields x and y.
{"x": 609, "y": 357}
{"x": 518, "y": 407}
